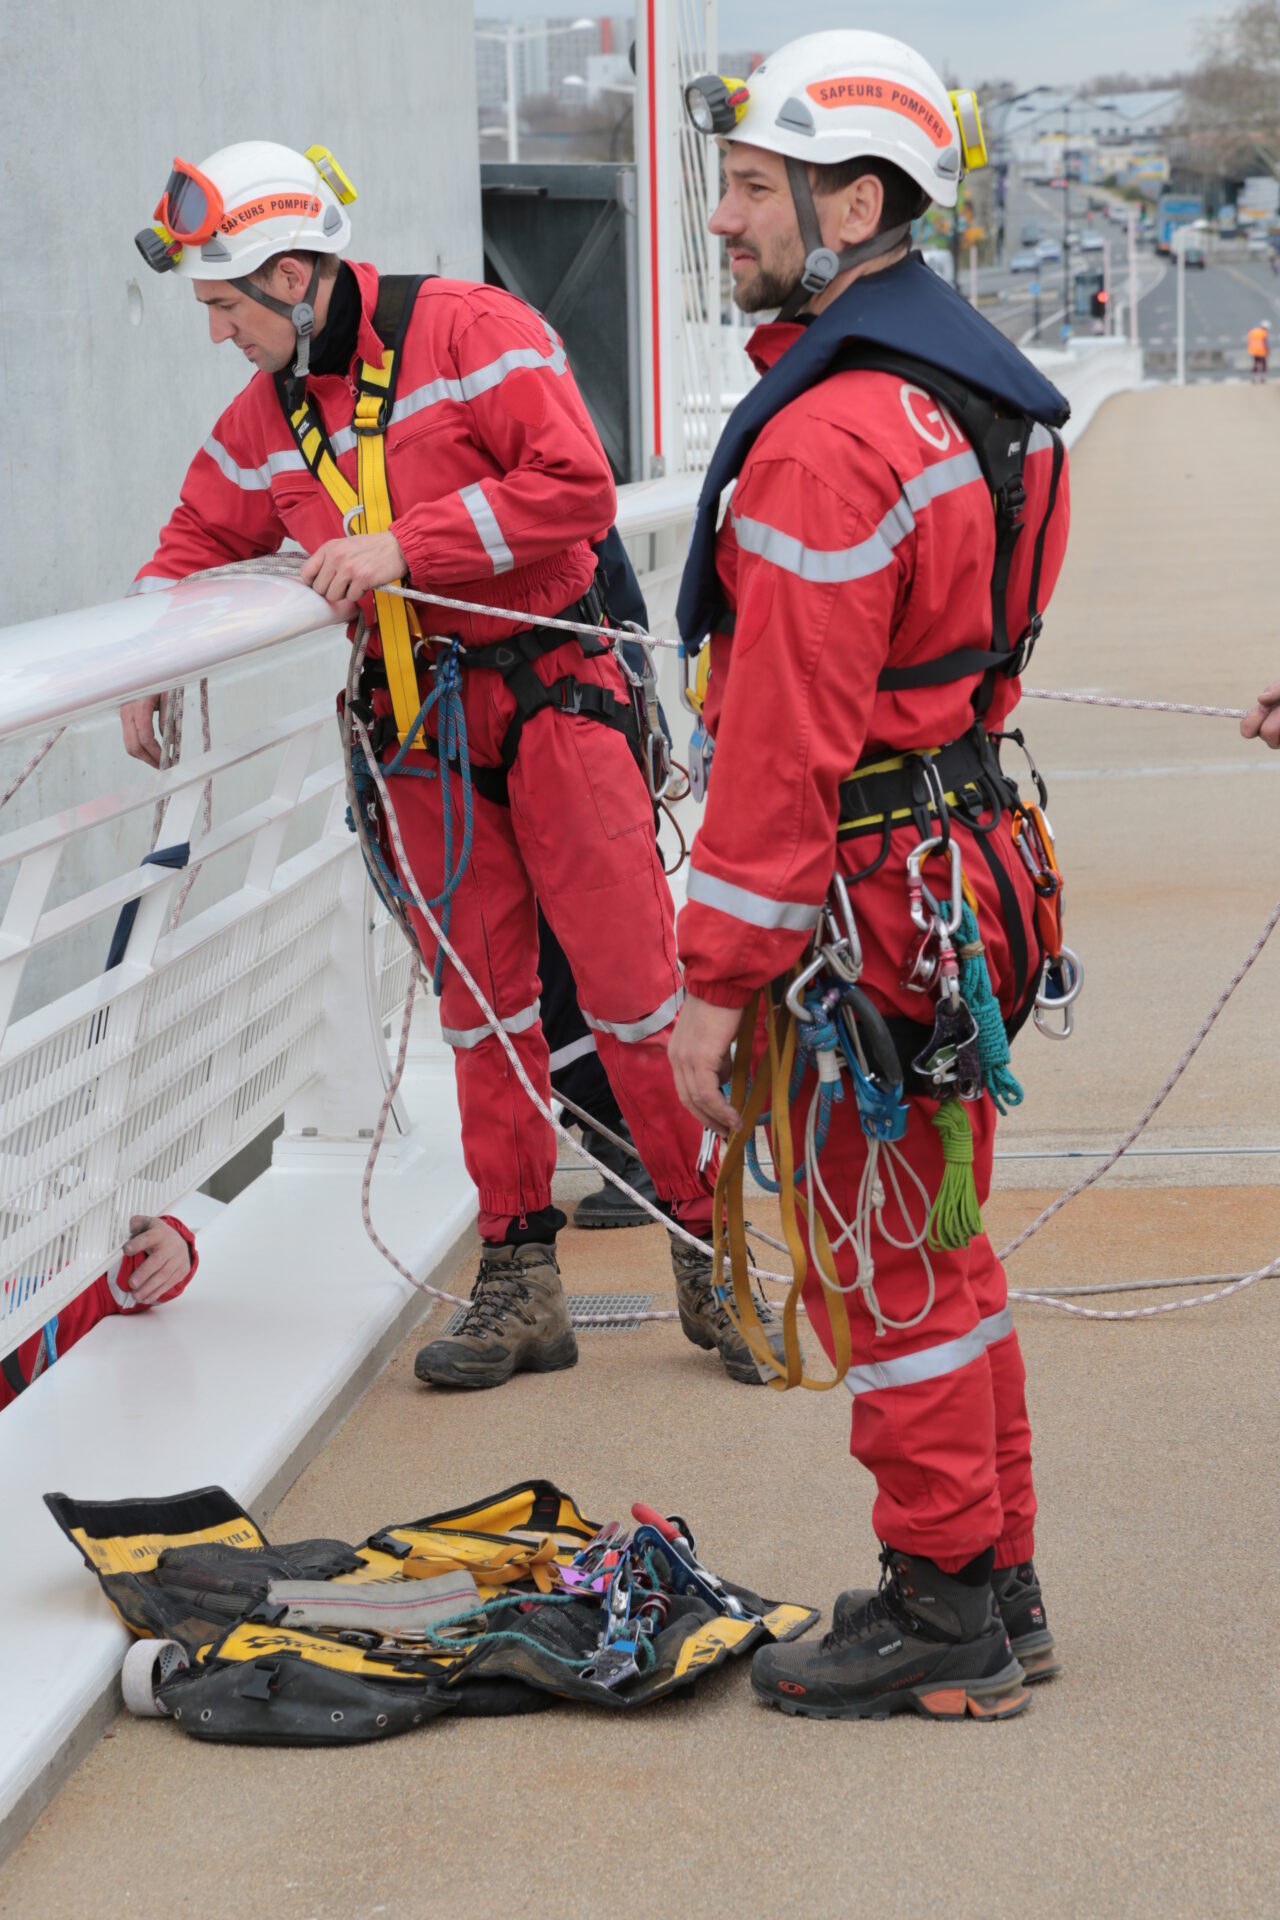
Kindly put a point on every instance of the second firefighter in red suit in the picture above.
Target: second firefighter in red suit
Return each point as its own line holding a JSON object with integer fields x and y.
{"x": 860, "y": 536}
{"x": 498, "y": 486}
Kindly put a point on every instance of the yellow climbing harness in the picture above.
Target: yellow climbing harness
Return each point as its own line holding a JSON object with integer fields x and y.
{"x": 398, "y": 624}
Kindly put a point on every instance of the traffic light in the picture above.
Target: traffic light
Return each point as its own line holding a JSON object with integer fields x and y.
{"x": 1098, "y": 304}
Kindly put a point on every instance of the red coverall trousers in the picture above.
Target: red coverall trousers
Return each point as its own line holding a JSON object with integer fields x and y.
{"x": 579, "y": 838}
{"x": 939, "y": 1408}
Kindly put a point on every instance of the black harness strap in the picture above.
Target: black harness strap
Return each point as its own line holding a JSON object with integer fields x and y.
{"x": 397, "y": 293}
{"x": 1000, "y": 437}
{"x": 13, "y": 1374}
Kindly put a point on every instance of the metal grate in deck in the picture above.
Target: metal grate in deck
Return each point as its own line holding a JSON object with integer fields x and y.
{"x": 591, "y": 1312}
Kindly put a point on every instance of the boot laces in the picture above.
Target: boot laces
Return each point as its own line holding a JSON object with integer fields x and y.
{"x": 499, "y": 1294}
{"x": 885, "y": 1608}
{"x": 696, "y": 1270}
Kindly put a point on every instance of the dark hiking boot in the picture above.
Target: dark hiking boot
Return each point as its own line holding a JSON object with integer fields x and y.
{"x": 606, "y": 1206}
{"x": 518, "y": 1318}
{"x": 926, "y": 1643}
{"x": 1021, "y": 1606}
{"x": 706, "y": 1320}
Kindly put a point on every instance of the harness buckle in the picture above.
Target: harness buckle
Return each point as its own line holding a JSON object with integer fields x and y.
{"x": 380, "y": 423}
{"x": 571, "y": 696}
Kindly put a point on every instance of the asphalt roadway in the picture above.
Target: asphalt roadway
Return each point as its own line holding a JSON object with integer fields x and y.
{"x": 1140, "y": 1782}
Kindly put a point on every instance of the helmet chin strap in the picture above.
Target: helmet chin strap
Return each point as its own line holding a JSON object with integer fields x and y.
{"x": 822, "y": 263}
{"x": 303, "y": 317}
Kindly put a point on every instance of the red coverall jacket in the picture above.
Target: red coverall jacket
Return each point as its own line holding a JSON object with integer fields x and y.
{"x": 108, "y": 1294}
{"x": 494, "y": 454}
{"x": 860, "y": 535}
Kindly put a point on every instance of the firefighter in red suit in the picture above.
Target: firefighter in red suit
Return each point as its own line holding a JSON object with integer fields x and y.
{"x": 861, "y": 538}
{"x": 158, "y": 1263}
{"x": 497, "y": 485}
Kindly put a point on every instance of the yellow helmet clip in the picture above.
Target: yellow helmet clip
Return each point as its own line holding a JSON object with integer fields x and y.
{"x": 332, "y": 174}
{"x": 973, "y": 142}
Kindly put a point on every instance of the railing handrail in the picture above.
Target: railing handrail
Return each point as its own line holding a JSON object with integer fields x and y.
{"x": 74, "y": 664}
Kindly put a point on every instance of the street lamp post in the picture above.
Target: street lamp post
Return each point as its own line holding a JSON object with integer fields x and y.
{"x": 508, "y": 36}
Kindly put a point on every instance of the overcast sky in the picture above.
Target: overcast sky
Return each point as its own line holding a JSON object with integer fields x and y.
{"x": 1032, "y": 42}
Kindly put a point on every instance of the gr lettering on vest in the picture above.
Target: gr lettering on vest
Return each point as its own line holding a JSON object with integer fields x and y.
{"x": 856, "y": 89}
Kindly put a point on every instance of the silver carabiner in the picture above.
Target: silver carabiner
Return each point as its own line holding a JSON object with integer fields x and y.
{"x": 1048, "y": 1003}
{"x": 843, "y": 946}
{"x": 916, "y": 889}
{"x": 795, "y": 1004}
{"x": 350, "y": 515}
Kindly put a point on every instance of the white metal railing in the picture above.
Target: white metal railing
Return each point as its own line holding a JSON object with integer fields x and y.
{"x": 124, "y": 1092}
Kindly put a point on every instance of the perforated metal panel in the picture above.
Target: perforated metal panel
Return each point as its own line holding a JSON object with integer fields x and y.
{"x": 591, "y": 1312}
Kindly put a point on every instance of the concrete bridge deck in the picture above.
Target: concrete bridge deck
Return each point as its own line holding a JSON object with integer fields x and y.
{"x": 1141, "y": 1781}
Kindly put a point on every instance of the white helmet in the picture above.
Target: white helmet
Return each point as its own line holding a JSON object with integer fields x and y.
{"x": 845, "y": 95}
{"x": 228, "y": 217}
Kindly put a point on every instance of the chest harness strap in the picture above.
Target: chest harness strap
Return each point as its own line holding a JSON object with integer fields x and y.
{"x": 371, "y": 505}
{"x": 398, "y": 624}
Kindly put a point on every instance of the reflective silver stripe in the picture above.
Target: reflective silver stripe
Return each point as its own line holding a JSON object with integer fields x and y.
{"x": 755, "y": 908}
{"x": 122, "y": 1297}
{"x": 485, "y": 522}
{"x": 929, "y": 1364}
{"x": 466, "y": 1037}
{"x": 254, "y": 479}
{"x": 639, "y": 1029}
{"x": 576, "y": 1050}
{"x": 827, "y": 566}
{"x": 944, "y": 476}
{"x": 469, "y": 387}
{"x": 996, "y": 1326}
{"x": 150, "y": 583}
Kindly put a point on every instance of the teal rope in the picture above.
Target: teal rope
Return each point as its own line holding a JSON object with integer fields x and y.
{"x": 993, "y": 1042}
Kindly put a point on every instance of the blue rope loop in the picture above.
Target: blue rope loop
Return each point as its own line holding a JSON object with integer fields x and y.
{"x": 815, "y": 1036}
{"x": 451, "y": 732}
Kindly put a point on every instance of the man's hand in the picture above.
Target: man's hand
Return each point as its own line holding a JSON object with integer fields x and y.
{"x": 344, "y": 570}
{"x": 167, "y": 1262}
{"x": 138, "y": 720}
{"x": 1262, "y": 722}
{"x": 699, "y": 1056}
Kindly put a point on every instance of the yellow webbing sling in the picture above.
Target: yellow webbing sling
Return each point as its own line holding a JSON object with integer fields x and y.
{"x": 750, "y": 1098}
{"x": 397, "y": 622}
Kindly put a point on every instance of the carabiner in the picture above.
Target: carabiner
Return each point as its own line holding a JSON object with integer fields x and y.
{"x": 916, "y": 890}
{"x": 842, "y": 946}
{"x": 795, "y": 992}
{"x": 1070, "y": 969}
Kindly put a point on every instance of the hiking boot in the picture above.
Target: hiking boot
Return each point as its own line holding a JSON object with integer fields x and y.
{"x": 926, "y": 1643}
{"x": 606, "y": 1207}
{"x": 705, "y": 1318}
{"x": 1021, "y": 1604}
{"x": 1021, "y": 1607}
{"x": 518, "y": 1318}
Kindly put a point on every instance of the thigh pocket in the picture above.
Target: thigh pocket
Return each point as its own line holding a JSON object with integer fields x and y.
{"x": 610, "y": 774}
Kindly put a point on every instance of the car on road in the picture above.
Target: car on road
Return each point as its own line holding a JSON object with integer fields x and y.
{"x": 1193, "y": 256}
{"x": 1258, "y": 243}
{"x": 1093, "y": 243}
{"x": 1025, "y": 262}
{"x": 1030, "y": 234}
{"x": 1048, "y": 250}
{"x": 1073, "y": 238}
